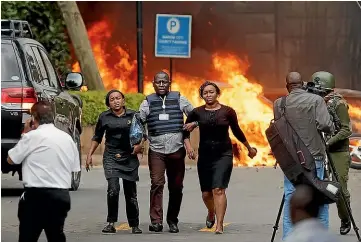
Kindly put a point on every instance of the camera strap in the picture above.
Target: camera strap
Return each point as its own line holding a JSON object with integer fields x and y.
{"x": 283, "y": 105}
{"x": 300, "y": 154}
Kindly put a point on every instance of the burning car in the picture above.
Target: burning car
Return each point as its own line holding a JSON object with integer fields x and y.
{"x": 355, "y": 151}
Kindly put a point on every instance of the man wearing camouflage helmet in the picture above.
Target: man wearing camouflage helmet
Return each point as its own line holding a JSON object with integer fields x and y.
{"x": 338, "y": 144}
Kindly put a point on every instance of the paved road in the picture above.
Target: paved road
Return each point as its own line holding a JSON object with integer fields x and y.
{"x": 253, "y": 201}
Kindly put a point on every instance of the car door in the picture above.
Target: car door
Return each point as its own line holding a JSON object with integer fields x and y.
{"x": 46, "y": 86}
{"x": 63, "y": 98}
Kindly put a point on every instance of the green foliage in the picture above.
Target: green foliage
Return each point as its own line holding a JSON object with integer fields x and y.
{"x": 94, "y": 104}
{"x": 47, "y": 25}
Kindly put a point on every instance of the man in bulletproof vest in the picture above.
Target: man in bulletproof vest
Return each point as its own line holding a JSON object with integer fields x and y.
{"x": 163, "y": 111}
{"x": 308, "y": 115}
{"x": 337, "y": 144}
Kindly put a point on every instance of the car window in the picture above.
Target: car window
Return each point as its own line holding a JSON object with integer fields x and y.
{"x": 41, "y": 64}
{"x": 33, "y": 65}
{"x": 10, "y": 70}
{"x": 49, "y": 67}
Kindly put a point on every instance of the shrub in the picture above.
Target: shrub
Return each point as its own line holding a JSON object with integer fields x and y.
{"x": 94, "y": 104}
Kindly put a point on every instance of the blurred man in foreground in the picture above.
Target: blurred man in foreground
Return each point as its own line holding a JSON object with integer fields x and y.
{"x": 304, "y": 209}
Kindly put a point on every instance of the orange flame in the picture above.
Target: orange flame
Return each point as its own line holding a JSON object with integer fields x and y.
{"x": 122, "y": 73}
{"x": 355, "y": 142}
{"x": 355, "y": 115}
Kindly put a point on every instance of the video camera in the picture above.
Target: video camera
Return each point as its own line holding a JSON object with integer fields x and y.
{"x": 311, "y": 87}
{"x": 314, "y": 88}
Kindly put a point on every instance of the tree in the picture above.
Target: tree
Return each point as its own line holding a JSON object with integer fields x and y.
{"x": 79, "y": 37}
{"x": 48, "y": 26}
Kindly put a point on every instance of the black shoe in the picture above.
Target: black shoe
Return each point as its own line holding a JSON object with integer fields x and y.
{"x": 109, "y": 229}
{"x": 156, "y": 227}
{"x": 345, "y": 227}
{"x": 136, "y": 230}
{"x": 210, "y": 223}
{"x": 173, "y": 228}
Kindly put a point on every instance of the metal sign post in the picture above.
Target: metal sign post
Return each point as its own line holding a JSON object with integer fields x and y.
{"x": 173, "y": 37}
{"x": 140, "y": 45}
{"x": 170, "y": 69}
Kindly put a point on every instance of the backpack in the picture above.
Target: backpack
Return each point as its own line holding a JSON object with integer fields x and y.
{"x": 136, "y": 132}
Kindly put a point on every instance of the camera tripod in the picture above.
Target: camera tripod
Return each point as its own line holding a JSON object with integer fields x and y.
{"x": 348, "y": 208}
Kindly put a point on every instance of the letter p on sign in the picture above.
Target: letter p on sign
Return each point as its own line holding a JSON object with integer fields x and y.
{"x": 173, "y": 25}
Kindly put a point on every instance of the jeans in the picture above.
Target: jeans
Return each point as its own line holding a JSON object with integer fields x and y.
{"x": 289, "y": 189}
{"x": 131, "y": 201}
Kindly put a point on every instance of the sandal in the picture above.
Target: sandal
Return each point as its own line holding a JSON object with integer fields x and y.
{"x": 219, "y": 231}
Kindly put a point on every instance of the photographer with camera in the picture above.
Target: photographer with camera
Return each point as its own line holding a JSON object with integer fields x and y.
{"x": 337, "y": 144}
{"x": 308, "y": 115}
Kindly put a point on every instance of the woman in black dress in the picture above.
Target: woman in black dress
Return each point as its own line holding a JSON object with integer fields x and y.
{"x": 119, "y": 160}
{"x": 215, "y": 160}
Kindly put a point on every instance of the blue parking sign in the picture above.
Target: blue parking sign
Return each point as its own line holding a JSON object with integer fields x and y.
{"x": 173, "y": 36}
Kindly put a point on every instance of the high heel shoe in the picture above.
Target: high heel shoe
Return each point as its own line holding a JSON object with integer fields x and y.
{"x": 210, "y": 223}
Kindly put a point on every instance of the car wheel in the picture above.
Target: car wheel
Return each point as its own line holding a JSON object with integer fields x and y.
{"x": 355, "y": 151}
{"x": 75, "y": 177}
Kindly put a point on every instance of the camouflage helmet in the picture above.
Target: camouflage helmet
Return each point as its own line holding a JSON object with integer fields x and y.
{"x": 323, "y": 80}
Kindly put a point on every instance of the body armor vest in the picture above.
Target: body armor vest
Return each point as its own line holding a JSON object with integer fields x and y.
{"x": 171, "y": 108}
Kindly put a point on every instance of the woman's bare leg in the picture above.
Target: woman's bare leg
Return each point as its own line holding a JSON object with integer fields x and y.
{"x": 209, "y": 202}
{"x": 220, "y": 202}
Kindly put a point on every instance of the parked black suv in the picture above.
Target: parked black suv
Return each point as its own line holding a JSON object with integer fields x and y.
{"x": 27, "y": 75}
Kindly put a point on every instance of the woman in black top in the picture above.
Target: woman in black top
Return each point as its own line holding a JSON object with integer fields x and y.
{"x": 215, "y": 160}
{"x": 119, "y": 160}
